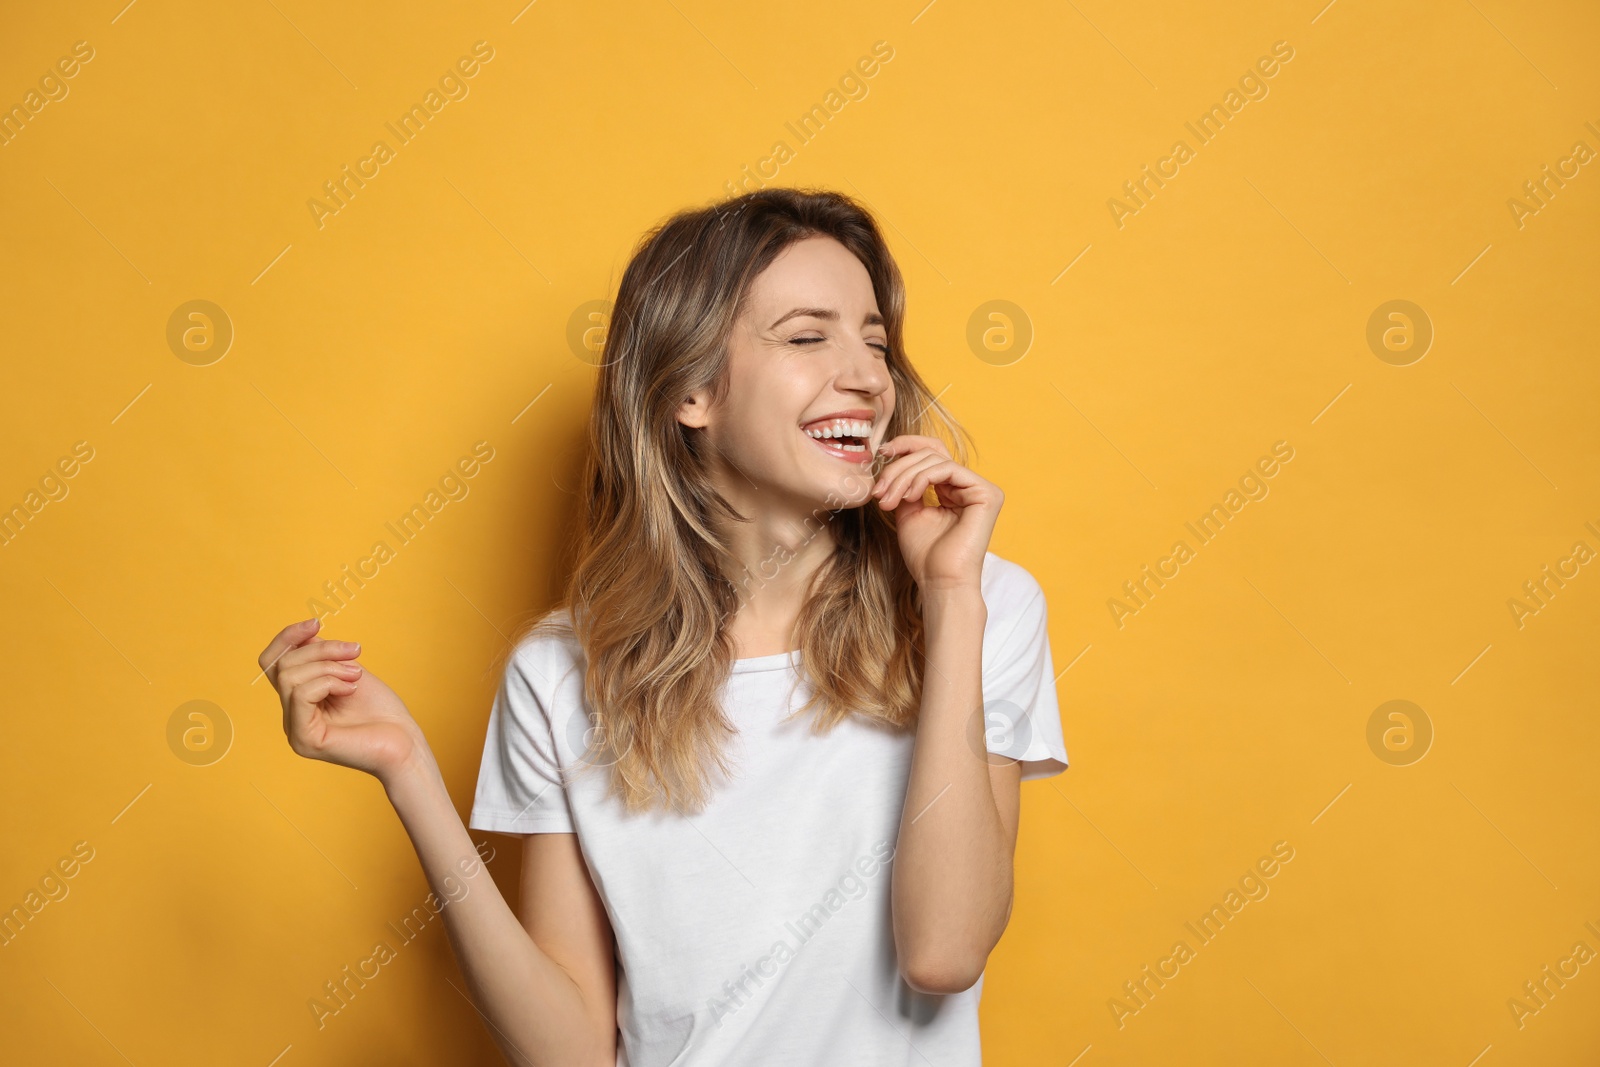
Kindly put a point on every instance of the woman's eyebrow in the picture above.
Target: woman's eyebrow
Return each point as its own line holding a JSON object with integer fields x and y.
{"x": 872, "y": 319}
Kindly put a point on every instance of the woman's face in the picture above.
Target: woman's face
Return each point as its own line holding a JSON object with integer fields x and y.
{"x": 808, "y": 394}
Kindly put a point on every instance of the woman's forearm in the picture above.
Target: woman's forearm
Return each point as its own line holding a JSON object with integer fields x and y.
{"x": 534, "y": 1009}
{"x": 952, "y": 877}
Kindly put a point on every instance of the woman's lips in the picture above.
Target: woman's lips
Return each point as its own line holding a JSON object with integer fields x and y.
{"x": 832, "y": 447}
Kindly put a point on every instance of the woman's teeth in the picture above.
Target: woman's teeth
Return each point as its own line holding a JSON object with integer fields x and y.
{"x": 834, "y": 429}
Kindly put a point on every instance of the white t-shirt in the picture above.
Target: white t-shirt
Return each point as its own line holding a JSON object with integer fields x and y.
{"x": 758, "y": 931}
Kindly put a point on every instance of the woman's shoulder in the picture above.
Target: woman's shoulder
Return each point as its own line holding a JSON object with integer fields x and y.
{"x": 1008, "y": 587}
{"x": 549, "y": 648}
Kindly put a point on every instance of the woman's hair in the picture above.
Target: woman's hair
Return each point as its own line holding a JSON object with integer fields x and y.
{"x": 653, "y": 582}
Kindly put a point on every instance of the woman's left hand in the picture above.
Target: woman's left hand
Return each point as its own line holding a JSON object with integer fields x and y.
{"x": 943, "y": 546}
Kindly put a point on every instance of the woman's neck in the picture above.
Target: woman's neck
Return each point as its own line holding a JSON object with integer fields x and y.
{"x": 778, "y": 554}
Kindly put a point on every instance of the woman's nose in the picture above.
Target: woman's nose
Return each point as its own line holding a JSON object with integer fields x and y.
{"x": 865, "y": 370}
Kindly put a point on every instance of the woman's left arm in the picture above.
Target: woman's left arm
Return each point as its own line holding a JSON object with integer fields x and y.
{"x": 952, "y": 881}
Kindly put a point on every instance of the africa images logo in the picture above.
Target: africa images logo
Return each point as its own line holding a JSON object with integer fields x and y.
{"x": 853, "y": 885}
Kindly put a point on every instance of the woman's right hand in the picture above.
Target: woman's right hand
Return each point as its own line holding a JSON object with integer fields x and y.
{"x": 334, "y": 709}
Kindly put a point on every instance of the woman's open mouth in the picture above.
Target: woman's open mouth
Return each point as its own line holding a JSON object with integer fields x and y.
{"x": 845, "y": 438}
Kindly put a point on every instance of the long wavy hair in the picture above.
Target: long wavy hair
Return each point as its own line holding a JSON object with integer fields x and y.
{"x": 653, "y": 582}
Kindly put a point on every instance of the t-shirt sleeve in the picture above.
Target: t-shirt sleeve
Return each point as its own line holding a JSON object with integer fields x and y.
{"x": 1021, "y": 717}
{"x": 519, "y": 781}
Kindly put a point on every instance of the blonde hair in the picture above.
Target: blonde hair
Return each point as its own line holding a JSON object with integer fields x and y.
{"x": 651, "y": 583}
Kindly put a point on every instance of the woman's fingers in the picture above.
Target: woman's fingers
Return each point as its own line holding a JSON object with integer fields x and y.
{"x": 305, "y": 696}
{"x": 922, "y": 479}
{"x": 900, "y": 451}
{"x": 291, "y": 675}
{"x": 300, "y": 711}
{"x": 290, "y": 637}
{"x": 897, "y": 487}
{"x": 910, "y": 442}
{"x": 319, "y": 651}
{"x": 897, "y": 474}
{"x": 292, "y": 680}
{"x": 900, "y": 463}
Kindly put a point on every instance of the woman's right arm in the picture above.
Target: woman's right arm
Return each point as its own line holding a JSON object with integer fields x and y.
{"x": 545, "y": 986}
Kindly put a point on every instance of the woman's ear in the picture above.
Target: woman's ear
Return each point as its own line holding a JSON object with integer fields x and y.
{"x": 695, "y": 411}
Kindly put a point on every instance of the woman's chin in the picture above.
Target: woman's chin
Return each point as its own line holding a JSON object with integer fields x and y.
{"x": 833, "y": 492}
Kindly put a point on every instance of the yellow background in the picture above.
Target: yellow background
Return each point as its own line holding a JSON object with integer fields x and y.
{"x": 1229, "y": 313}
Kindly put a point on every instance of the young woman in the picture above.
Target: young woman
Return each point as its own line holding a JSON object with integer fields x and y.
{"x": 765, "y": 757}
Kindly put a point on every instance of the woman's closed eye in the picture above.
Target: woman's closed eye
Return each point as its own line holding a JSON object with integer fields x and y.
{"x": 879, "y": 345}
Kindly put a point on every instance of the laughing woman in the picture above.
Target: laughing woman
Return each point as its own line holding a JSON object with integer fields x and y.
{"x": 765, "y": 758}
